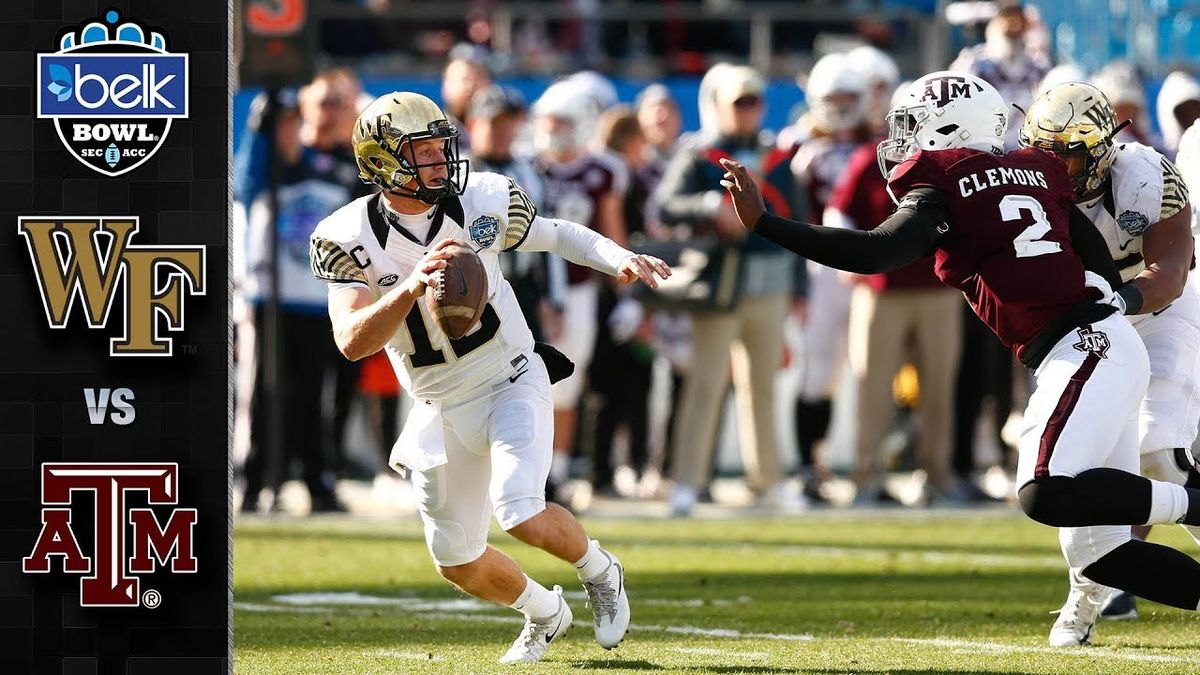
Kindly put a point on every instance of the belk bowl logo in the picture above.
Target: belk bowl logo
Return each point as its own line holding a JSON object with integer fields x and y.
{"x": 112, "y": 90}
{"x": 1133, "y": 222}
{"x": 484, "y": 230}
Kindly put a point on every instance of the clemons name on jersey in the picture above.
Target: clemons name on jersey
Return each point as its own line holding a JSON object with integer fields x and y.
{"x": 359, "y": 245}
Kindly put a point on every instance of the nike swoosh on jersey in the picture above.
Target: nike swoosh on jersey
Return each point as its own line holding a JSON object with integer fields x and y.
{"x": 516, "y": 377}
{"x": 1126, "y": 244}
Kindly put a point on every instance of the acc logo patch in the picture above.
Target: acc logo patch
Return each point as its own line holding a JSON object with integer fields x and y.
{"x": 1133, "y": 223}
{"x": 112, "y": 89}
{"x": 484, "y": 230}
{"x": 388, "y": 280}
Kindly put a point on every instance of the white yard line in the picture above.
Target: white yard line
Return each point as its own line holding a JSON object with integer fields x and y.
{"x": 882, "y": 554}
{"x": 725, "y": 653}
{"x": 410, "y": 656}
{"x": 973, "y": 646}
{"x": 967, "y": 647}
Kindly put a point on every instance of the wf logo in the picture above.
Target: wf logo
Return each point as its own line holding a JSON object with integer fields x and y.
{"x": 72, "y": 262}
{"x": 111, "y": 570}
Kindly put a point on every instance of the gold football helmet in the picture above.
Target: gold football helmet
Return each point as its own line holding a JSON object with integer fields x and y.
{"x": 1076, "y": 122}
{"x": 383, "y": 138}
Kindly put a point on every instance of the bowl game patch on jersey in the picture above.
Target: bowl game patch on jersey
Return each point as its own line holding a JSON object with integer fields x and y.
{"x": 484, "y": 231}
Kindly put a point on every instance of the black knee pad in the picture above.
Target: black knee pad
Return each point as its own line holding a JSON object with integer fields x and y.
{"x": 1095, "y": 497}
{"x": 1048, "y": 500}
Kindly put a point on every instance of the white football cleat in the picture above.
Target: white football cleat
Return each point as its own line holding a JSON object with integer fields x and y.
{"x": 1078, "y": 615}
{"x": 609, "y": 604}
{"x": 530, "y": 645}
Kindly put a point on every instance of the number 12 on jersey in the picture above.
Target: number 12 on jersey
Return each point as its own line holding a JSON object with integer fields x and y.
{"x": 424, "y": 354}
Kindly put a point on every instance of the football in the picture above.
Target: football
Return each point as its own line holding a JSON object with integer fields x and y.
{"x": 458, "y": 293}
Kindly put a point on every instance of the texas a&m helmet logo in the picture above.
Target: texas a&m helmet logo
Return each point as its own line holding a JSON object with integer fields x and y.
{"x": 128, "y": 542}
{"x": 941, "y": 90}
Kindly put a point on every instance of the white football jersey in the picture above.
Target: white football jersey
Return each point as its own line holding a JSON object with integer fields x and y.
{"x": 1145, "y": 188}
{"x": 361, "y": 244}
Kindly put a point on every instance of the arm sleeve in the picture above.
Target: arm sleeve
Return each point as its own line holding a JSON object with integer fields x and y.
{"x": 331, "y": 263}
{"x": 1175, "y": 191}
{"x": 1091, "y": 248}
{"x": 906, "y": 236}
{"x": 521, "y": 212}
{"x": 575, "y": 243}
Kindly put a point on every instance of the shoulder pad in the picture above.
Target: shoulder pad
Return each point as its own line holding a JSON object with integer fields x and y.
{"x": 346, "y": 223}
{"x": 922, "y": 169}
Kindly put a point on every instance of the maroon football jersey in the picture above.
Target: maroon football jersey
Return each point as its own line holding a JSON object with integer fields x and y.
{"x": 1008, "y": 248}
{"x": 573, "y": 191}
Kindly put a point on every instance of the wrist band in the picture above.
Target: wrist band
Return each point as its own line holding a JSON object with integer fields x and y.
{"x": 1132, "y": 298}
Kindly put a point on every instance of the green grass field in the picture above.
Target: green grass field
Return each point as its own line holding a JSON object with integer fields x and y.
{"x": 903, "y": 593}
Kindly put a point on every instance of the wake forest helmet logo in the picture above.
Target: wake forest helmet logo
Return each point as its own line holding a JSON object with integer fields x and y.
{"x": 112, "y": 89}
{"x": 90, "y": 258}
{"x": 941, "y": 90}
{"x": 126, "y": 541}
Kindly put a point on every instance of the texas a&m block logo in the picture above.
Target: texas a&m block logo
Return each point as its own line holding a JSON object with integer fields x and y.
{"x": 110, "y": 571}
{"x": 942, "y": 90}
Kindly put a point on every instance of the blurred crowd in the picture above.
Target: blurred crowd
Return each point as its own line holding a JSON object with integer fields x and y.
{"x": 920, "y": 385}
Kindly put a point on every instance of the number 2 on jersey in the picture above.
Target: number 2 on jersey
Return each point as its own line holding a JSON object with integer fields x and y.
{"x": 1029, "y": 243}
{"x": 424, "y": 354}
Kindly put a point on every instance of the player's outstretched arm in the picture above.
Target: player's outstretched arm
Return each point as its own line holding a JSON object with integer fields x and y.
{"x": 361, "y": 326}
{"x": 907, "y": 235}
{"x": 582, "y": 246}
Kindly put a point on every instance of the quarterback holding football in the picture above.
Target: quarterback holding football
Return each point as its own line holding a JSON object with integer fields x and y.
{"x": 478, "y": 440}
